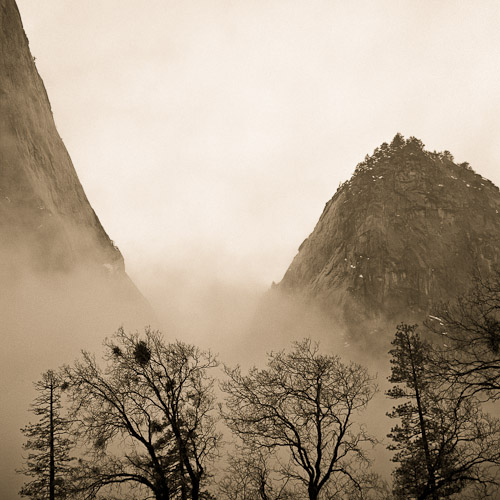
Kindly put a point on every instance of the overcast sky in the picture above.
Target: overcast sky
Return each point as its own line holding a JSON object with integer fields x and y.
{"x": 208, "y": 135}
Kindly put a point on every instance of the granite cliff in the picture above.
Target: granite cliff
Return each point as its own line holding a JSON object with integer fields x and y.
{"x": 46, "y": 221}
{"x": 409, "y": 229}
{"x": 63, "y": 285}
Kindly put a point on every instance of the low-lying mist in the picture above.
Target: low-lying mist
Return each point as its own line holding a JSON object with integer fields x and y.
{"x": 244, "y": 321}
{"x": 48, "y": 318}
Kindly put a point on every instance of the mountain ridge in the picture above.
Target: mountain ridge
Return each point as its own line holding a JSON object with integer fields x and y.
{"x": 409, "y": 229}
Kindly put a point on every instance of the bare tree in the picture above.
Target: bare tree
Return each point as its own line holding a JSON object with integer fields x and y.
{"x": 148, "y": 416}
{"x": 469, "y": 329}
{"x": 303, "y": 405}
{"x": 48, "y": 443}
{"x": 251, "y": 475}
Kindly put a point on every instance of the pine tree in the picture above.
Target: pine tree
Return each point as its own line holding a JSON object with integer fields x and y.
{"x": 47, "y": 442}
{"x": 398, "y": 141}
{"x": 409, "y": 357}
{"x": 444, "y": 442}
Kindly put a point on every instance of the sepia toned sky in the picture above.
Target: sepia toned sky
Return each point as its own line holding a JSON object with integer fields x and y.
{"x": 209, "y": 134}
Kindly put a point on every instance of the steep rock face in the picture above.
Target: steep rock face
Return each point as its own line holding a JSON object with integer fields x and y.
{"x": 63, "y": 285}
{"x": 46, "y": 220}
{"x": 410, "y": 228}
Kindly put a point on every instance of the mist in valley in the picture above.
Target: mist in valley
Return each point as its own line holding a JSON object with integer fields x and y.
{"x": 208, "y": 140}
{"x": 48, "y": 318}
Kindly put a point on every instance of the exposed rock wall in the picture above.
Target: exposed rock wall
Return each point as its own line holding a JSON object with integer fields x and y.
{"x": 409, "y": 229}
{"x": 63, "y": 285}
{"x": 45, "y": 216}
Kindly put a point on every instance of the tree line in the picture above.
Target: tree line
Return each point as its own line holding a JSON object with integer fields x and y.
{"x": 152, "y": 419}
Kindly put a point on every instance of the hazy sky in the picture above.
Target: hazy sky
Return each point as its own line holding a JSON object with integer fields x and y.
{"x": 208, "y": 135}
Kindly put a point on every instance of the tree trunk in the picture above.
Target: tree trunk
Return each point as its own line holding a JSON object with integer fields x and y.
{"x": 195, "y": 492}
{"x": 162, "y": 493}
{"x": 313, "y": 492}
{"x": 423, "y": 429}
{"x": 182, "y": 480}
{"x": 51, "y": 445}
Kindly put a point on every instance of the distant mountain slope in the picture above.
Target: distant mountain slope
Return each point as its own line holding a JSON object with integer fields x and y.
{"x": 408, "y": 229}
{"x": 63, "y": 285}
{"x": 45, "y": 217}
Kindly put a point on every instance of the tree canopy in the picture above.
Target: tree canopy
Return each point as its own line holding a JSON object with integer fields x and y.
{"x": 154, "y": 399}
{"x": 444, "y": 442}
{"x": 304, "y": 405}
{"x": 48, "y": 442}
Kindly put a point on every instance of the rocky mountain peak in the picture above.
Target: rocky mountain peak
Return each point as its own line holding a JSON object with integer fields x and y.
{"x": 410, "y": 228}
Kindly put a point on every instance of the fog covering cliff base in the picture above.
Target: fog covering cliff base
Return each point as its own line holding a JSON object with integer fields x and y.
{"x": 410, "y": 228}
{"x": 48, "y": 228}
{"x": 63, "y": 285}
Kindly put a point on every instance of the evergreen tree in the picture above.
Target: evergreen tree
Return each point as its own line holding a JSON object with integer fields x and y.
{"x": 444, "y": 442}
{"x": 398, "y": 141}
{"x": 48, "y": 443}
{"x": 409, "y": 358}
